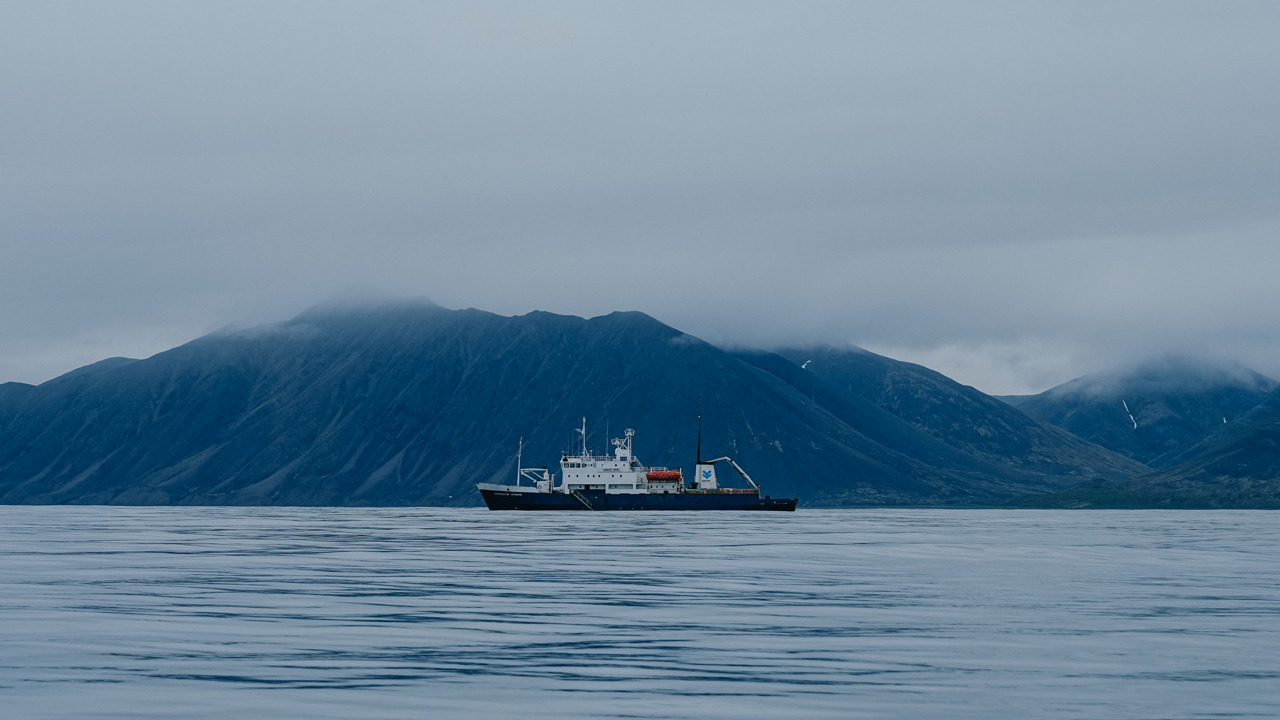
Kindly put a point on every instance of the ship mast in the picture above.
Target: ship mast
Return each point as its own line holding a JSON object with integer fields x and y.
{"x": 698, "y": 455}
{"x": 519, "y": 462}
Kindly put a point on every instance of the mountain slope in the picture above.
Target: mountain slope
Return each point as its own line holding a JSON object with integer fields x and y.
{"x": 958, "y": 416}
{"x": 1237, "y": 467}
{"x": 1153, "y": 410}
{"x": 412, "y": 404}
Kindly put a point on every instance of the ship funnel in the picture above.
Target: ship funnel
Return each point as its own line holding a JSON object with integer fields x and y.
{"x": 705, "y": 476}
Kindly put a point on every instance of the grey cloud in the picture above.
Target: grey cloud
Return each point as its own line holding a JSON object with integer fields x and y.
{"x": 1098, "y": 177}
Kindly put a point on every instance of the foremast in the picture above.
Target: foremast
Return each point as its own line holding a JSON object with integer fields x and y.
{"x": 540, "y": 478}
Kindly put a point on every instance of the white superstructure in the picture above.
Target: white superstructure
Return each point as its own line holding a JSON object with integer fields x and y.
{"x": 618, "y": 473}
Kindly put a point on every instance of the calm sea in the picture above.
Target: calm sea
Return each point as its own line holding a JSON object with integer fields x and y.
{"x": 419, "y": 613}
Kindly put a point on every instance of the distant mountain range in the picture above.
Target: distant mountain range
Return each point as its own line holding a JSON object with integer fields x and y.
{"x": 413, "y": 403}
{"x": 1208, "y": 431}
{"x": 1152, "y": 411}
{"x": 1236, "y": 467}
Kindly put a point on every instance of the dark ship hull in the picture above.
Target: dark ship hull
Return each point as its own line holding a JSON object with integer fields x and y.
{"x": 512, "y": 499}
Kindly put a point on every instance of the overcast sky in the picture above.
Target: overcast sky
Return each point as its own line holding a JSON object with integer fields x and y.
{"x": 1011, "y": 193}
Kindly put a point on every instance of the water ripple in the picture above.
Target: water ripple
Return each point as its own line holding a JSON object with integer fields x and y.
{"x": 401, "y": 613}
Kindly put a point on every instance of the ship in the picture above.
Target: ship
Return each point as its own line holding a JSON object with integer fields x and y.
{"x": 595, "y": 482}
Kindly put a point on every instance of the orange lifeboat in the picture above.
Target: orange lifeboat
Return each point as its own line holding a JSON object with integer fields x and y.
{"x": 664, "y": 476}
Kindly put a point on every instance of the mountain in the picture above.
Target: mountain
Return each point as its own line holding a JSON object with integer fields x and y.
{"x": 413, "y": 403}
{"x": 1153, "y": 411}
{"x": 1236, "y": 467}
{"x": 958, "y": 416}
{"x": 12, "y": 394}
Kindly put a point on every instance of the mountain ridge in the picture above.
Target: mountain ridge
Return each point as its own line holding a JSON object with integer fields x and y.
{"x": 1154, "y": 409}
{"x": 411, "y": 405}
{"x": 1237, "y": 467}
